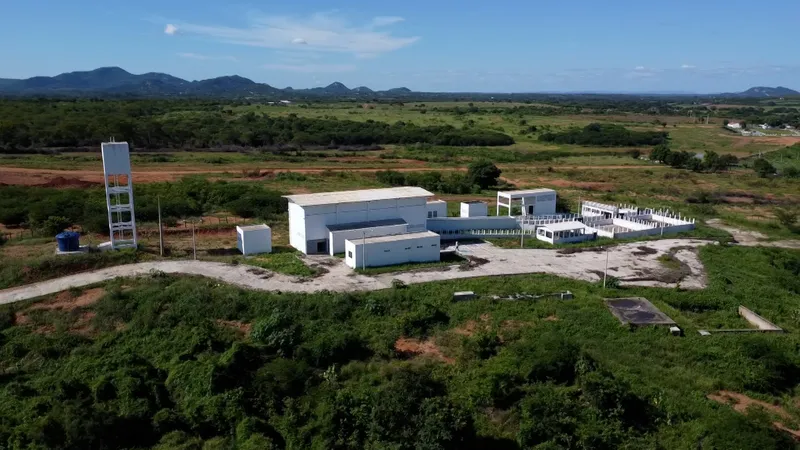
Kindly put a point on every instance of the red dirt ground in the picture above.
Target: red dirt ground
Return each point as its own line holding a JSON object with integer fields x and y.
{"x": 741, "y": 403}
{"x": 410, "y": 346}
{"x": 63, "y": 301}
{"x": 239, "y": 326}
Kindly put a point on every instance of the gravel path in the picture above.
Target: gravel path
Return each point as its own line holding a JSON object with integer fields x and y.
{"x": 631, "y": 263}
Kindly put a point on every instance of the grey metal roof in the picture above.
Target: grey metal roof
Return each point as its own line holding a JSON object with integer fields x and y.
{"x": 527, "y": 192}
{"x": 395, "y": 237}
{"x": 365, "y": 195}
{"x": 363, "y": 225}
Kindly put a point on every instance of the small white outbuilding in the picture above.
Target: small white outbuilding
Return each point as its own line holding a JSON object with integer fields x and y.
{"x": 391, "y": 250}
{"x": 254, "y": 239}
{"x": 474, "y": 209}
{"x": 564, "y": 233}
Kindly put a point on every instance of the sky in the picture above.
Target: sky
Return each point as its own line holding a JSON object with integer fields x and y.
{"x": 433, "y": 45}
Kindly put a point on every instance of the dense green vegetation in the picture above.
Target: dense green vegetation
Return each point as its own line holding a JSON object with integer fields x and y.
{"x": 153, "y": 124}
{"x": 710, "y": 162}
{"x": 605, "y": 135}
{"x": 37, "y": 207}
{"x": 161, "y": 362}
{"x": 480, "y": 175}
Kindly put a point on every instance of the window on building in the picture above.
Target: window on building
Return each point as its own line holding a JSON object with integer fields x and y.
{"x": 430, "y": 214}
{"x": 386, "y": 251}
{"x": 436, "y": 214}
{"x": 419, "y": 246}
{"x": 350, "y": 255}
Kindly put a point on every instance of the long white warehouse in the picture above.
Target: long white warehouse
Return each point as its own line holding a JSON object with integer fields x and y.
{"x": 391, "y": 250}
{"x": 310, "y": 215}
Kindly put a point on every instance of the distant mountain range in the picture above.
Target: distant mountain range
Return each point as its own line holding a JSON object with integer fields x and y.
{"x": 763, "y": 91}
{"x": 116, "y": 81}
{"x": 113, "y": 81}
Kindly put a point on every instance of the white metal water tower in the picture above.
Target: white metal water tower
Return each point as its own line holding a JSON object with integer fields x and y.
{"x": 119, "y": 194}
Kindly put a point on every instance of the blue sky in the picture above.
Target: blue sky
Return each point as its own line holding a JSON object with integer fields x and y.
{"x": 432, "y": 45}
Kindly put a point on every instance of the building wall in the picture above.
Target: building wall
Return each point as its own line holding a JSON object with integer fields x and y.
{"x": 314, "y": 220}
{"x": 474, "y": 209}
{"x": 297, "y": 227}
{"x": 436, "y": 209}
{"x": 336, "y": 239}
{"x": 543, "y": 204}
{"x": 473, "y": 223}
{"x": 377, "y": 254}
{"x": 254, "y": 242}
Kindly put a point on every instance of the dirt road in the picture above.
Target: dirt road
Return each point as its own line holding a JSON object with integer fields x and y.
{"x": 87, "y": 178}
{"x": 626, "y": 262}
{"x": 752, "y": 238}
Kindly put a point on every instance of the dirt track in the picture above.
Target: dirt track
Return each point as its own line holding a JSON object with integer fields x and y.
{"x": 88, "y": 178}
{"x": 625, "y": 263}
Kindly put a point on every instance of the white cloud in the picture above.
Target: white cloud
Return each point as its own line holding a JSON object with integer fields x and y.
{"x": 170, "y": 29}
{"x": 320, "y": 32}
{"x": 311, "y": 68}
{"x": 639, "y": 68}
{"x": 382, "y": 21}
{"x": 200, "y": 57}
{"x": 687, "y": 66}
{"x": 299, "y": 41}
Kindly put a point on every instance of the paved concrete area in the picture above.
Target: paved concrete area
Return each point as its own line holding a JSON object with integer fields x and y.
{"x": 752, "y": 238}
{"x": 627, "y": 262}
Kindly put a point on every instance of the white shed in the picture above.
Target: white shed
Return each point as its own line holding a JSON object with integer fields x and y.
{"x": 533, "y": 202}
{"x": 391, "y": 250}
{"x": 436, "y": 209}
{"x": 474, "y": 209}
{"x": 254, "y": 239}
{"x": 339, "y": 234}
{"x": 564, "y": 233}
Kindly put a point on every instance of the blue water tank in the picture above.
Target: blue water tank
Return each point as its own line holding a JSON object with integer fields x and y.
{"x": 68, "y": 241}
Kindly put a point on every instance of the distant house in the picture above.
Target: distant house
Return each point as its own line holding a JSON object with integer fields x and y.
{"x": 286, "y": 102}
{"x": 735, "y": 125}
{"x": 788, "y": 127}
{"x": 764, "y": 126}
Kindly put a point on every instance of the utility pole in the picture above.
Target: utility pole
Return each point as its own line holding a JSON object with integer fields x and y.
{"x": 364, "y": 250}
{"x": 160, "y": 229}
{"x": 194, "y": 243}
{"x": 605, "y": 274}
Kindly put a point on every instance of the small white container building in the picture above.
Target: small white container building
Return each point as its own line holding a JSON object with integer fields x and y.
{"x": 339, "y": 234}
{"x": 436, "y": 209}
{"x": 533, "y": 202}
{"x": 564, "y": 233}
{"x": 392, "y": 250}
{"x": 310, "y": 215}
{"x": 254, "y": 239}
{"x": 474, "y": 209}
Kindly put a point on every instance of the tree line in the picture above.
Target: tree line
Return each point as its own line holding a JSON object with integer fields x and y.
{"x": 480, "y": 175}
{"x": 709, "y": 162}
{"x": 153, "y": 124}
{"x": 605, "y": 135}
{"x": 50, "y": 210}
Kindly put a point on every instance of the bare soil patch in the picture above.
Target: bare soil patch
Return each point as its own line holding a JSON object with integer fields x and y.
{"x": 241, "y": 327}
{"x": 416, "y": 347}
{"x": 740, "y": 403}
{"x": 65, "y": 301}
{"x": 470, "y": 327}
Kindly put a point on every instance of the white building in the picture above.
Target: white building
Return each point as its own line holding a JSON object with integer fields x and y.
{"x": 254, "y": 239}
{"x": 310, "y": 215}
{"x": 533, "y": 202}
{"x": 339, "y": 234}
{"x": 119, "y": 194}
{"x": 474, "y": 209}
{"x": 436, "y": 209}
{"x": 564, "y": 233}
{"x": 392, "y": 250}
{"x": 735, "y": 125}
